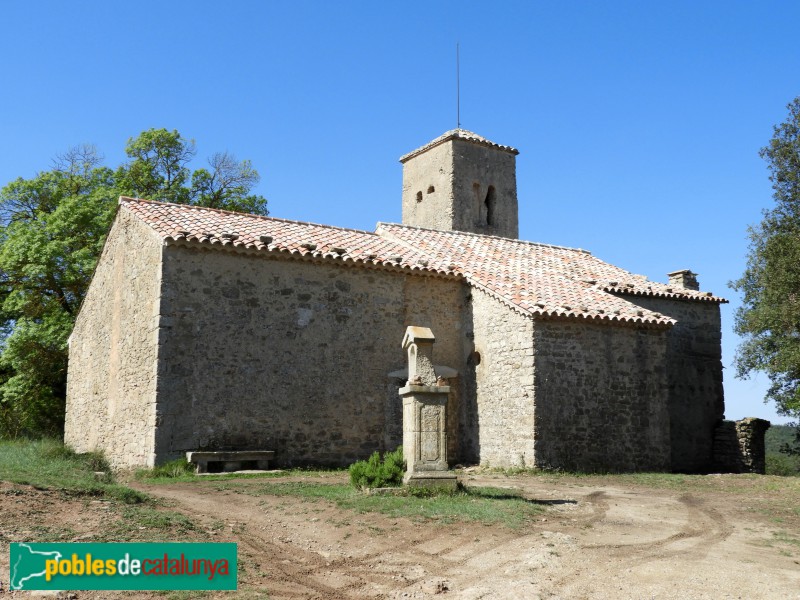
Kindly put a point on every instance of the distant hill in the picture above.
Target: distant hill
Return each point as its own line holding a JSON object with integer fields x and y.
{"x": 777, "y": 436}
{"x": 778, "y": 463}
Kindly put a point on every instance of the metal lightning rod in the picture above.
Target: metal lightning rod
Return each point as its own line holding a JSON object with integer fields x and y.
{"x": 458, "y": 89}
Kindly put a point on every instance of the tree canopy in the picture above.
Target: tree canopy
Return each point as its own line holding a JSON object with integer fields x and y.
{"x": 769, "y": 318}
{"x": 158, "y": 170}
{"x": 52, "y": 231}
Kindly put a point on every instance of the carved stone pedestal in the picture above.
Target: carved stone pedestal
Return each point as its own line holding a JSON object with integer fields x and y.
{"x": 424, "y": 418}
{"x": 424, "y": 437}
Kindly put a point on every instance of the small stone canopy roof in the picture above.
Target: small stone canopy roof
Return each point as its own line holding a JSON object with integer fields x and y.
{"x": 461, "y": 134}
{"x": 538, "y": 280}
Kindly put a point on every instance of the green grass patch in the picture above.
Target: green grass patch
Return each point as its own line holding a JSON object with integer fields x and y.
{"x": 658, "y": 480}
{"x": 490, "y": 506}
{"x": 174, "y": 475}
{"x": 146, "y": 523}
{"x": 787, "y": 538}
{"x": 48, "y": 464}
{"x": 174, "y": 469}
{"x": 678, "y": 481}
{"x": 45, "y": 533}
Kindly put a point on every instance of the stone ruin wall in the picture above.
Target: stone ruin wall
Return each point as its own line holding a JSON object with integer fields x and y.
{"x": 288, "y": 355}
{"x": 694, "y": 378}
{"x": 739, "y": 446}
{"x": 600, "y": 397}
{"x": 111, "y": 382}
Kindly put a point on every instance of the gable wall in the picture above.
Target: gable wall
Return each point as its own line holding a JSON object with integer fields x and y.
{"x": 497, "y": 410}
{"x": 289, "y": 355}
{"x": 694, "y": 376}
{"x": 600, "y": 397}
{"x": 111, "y": 381}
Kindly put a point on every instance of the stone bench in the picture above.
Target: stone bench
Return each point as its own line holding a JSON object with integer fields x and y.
{"x": 229, "y": 461}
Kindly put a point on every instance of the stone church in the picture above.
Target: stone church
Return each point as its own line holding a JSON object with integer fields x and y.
{"x": 204, "y": 329}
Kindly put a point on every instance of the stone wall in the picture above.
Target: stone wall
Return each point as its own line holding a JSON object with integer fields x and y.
{"x": 111, "y": 382}
{"x": 476, "y": 169}
{"x": 289, "y": 355}
{"x": 422, "y": 306}
{"x": 496, "y": 414}
{"x": 250, "y": 351}
{"x": 694, "y": 376}
{"x": 600, "y": 397}
{"x": 428, "y": 189}
{"x": 447, "y": 188}
{"x": 739, "y": 446}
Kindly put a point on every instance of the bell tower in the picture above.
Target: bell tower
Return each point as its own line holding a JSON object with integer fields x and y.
{"x": 462, "y": 182}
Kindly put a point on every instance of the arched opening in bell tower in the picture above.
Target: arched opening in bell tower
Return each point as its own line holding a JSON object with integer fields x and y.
{"x": 489, "y": 203}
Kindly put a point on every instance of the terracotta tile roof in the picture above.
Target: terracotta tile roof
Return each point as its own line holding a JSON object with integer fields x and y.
{"x": 539, "y": 280}
{"x": 461, "y": 134}
{"x": 224, "y": 229}
{"x": 636, "y": 287}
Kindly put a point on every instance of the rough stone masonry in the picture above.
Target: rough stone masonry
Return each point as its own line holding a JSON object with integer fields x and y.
{"x": 206, "y": 330}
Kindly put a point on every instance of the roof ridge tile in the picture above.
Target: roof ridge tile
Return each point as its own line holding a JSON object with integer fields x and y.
{"x": 461, "y": 134}
{"x": 128, "y": 199}
{"x": 483, "y": 235}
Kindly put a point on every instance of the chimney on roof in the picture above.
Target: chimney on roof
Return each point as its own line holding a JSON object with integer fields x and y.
{"x": 684, "y": 279}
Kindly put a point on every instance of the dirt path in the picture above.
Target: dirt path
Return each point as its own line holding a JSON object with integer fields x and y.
{"x": 598, "y": 537}
{"x": 594, "y": 541}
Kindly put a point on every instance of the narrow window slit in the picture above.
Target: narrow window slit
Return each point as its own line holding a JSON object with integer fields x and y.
{"x": 490, "y": 205}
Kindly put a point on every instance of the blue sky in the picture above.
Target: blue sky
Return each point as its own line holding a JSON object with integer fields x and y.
{"x": 638, "y": 123}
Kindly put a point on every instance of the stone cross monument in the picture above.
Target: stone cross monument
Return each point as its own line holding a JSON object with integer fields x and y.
{"x": 424, "y": 403}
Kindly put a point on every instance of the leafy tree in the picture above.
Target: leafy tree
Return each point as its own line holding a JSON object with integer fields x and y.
{"x": 158, "y": 171}
{"x": 769, "y": 318}
{"x": 52, "y": 232}
{"x": 227, "y": 185}
{"x": 55, "y": 226}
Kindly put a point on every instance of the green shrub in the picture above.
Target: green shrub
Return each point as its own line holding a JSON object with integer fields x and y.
{"x": 374, "y": 473}
{"x": 781, "y": 464}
